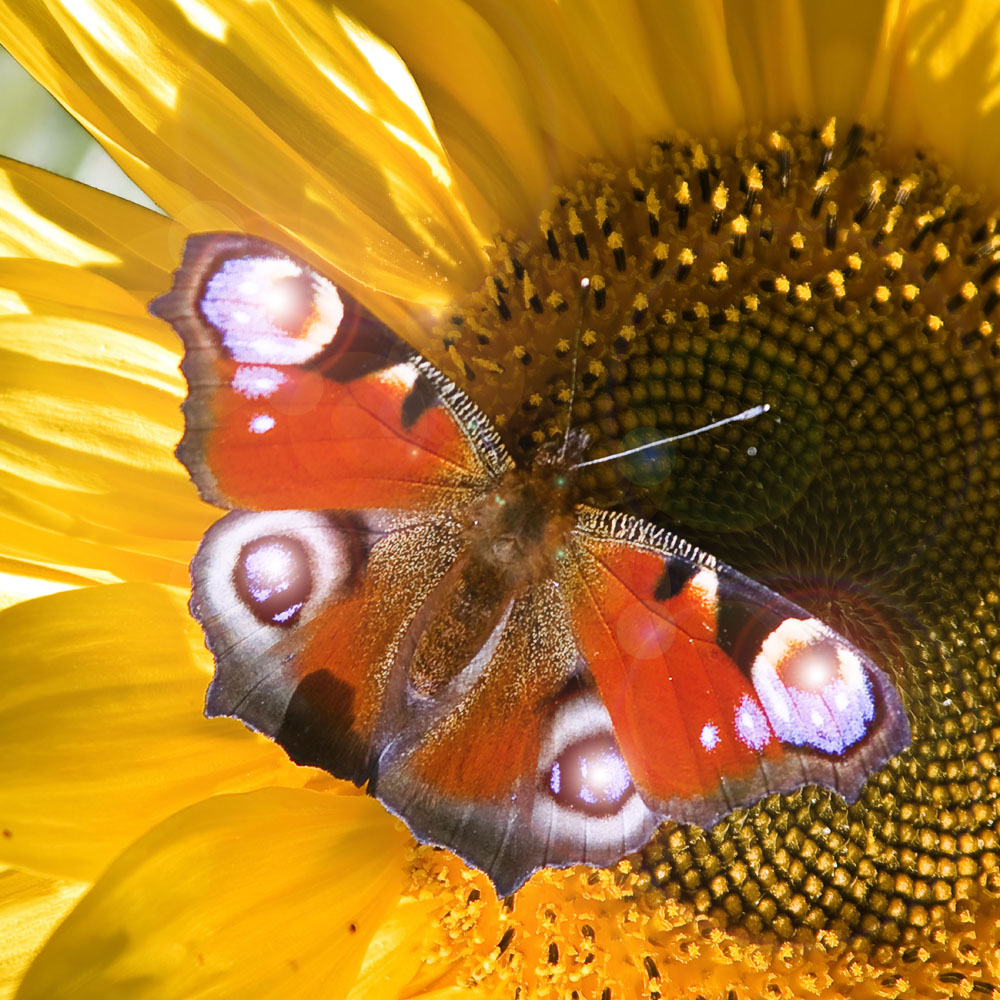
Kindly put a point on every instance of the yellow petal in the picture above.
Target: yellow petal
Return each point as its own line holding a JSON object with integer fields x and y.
{"x": 579, "y": 116}
{"x": 944, "y": 92}
{"x": 767, "y": 42}
{"x": 613, "y": 40}
{"x": 479, "y": 99}
{"x": 608, "y": 78}
{"x": 396, "y": 952}
{"x": 101, "y": 726}
{"x": 286, "y": 120}
{"x": 22, "y": 581}
{"x": 693, "y": 65}
{"x": 844, "y": 45}
{"x": 55, "y": 219}
{"x": 274, "y": 894}
{"x": 30, "y": 907}
{"x": 90, "y": 417}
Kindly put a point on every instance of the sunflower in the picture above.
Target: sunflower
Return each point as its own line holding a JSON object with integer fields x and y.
{"x": 777, "y": 202}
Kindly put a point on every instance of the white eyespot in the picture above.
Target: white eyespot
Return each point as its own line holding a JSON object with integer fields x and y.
{"x": 709, "y": 736}
{"x": 269, "y": 310}
{"x": 586, "y": 806}
{"x": 258, "y": 572}
{"x": 261, "y": 423}
{"x": 751, "y": 724}
{"x": 257, "y": 381}
{"x": 259, "y": 578}
{"x": 813, "y": 687}
{"x": 601, "y": 776}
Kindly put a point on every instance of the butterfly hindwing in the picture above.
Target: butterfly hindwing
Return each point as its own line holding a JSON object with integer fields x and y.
{"x": 721, "y": 691}
{"x": 482, "y": 769}
{"x": 300, "y": 398}
{"x": 304, "y": 612}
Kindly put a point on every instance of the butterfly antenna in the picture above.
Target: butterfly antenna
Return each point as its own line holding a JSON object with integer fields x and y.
{"x": 754, "y": 411}
{"x": 584, "y": 289}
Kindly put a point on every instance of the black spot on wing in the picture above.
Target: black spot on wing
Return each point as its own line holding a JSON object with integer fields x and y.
{"x": 317, "y": 728}
{"x": 748, "y": 614}
{"x": 362, "y": 345}
{"x": 421, "y": 397}
{"x": 676, "y": 574}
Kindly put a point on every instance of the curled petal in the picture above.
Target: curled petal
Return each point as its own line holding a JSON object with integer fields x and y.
{"x": 101, "y": 726}
{"x": 270, "y": 894}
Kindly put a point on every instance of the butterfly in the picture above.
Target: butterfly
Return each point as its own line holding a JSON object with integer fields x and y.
{"x": 523, "y": 679}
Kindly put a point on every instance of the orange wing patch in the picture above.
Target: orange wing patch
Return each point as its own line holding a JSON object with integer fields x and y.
{"x": 686, "y": 717}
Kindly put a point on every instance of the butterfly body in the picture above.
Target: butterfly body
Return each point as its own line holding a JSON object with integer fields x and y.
{"x": 523, "y": 678}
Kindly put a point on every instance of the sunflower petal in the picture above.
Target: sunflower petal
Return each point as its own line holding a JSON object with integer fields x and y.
{"x": 579, "y": 117}
{"x": 91, "y": 414}
{"x": 693, "y": 66}
{"x": 945, "y": 90}
{"x": 613, "y": 40}
{"x": 101, "y": 726}
{"x": 396, "y": 952}
{"x": 51, "y": 218}
{"x": 479, "y": 99}
{"x": 608, "y": 78}
{"x": 283, "y": 119}
{"x": 767, "y": 41}
{"x": 271, "y": 894}
{"x": 843, "y": 47}
{"x": 30, "y": 907}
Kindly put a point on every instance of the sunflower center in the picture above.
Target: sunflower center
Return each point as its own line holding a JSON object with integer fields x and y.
{"x": 853, "y": 290}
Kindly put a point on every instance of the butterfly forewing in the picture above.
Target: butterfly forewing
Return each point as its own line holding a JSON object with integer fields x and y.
{"x": 299, "y": 397}
{"x": 720, "y": 690}
{"x": 525, "y": 683}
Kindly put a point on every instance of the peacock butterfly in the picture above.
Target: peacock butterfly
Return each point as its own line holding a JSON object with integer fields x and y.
{"x": 524, "y": 679}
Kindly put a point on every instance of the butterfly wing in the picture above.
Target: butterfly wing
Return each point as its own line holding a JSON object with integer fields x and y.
{"x": 483, "y": 769}
{"x": 314, "y": 617}
{"x": 347, "y": 456}
{"x": 350, "y": 461}
{"x": 305, "y": 613}
{"x": 300, "y": 398}
{"x": 720, "y": 691}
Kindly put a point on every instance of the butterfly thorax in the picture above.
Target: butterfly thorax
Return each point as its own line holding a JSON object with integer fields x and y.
{"x": 512, "y": 538}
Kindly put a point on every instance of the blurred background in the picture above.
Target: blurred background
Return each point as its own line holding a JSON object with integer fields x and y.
{"x": 35, "y": 129}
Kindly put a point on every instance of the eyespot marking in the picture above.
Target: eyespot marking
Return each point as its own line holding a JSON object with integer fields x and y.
{"x": 813, "y": 687}
{"x": 591, "y": 776}
{"x": 257, "y": 381}
{"x": 273, "y": 578}
{"x": 270, "y": 311}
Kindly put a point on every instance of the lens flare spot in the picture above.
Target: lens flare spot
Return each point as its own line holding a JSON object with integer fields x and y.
{"x": 642, "y": 634}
